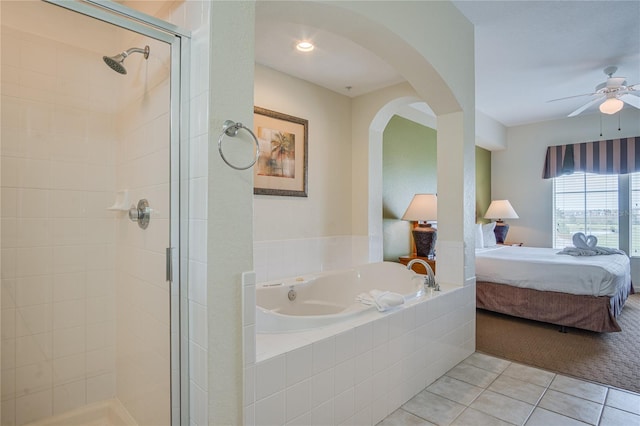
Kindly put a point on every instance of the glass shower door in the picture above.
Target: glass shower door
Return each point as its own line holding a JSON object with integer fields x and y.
{"x": 86, "y": 301}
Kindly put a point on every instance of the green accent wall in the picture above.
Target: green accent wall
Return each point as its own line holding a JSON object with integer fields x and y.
{"x": 409, "y": 166}
{"x": 483, "y": 183}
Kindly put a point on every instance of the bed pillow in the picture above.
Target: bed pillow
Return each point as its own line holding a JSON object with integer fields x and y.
{"x": 479, "y": 237}
{"x": 488, "y": 237}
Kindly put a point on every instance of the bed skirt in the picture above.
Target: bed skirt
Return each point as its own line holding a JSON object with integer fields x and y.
{"x": 585, "y": 312}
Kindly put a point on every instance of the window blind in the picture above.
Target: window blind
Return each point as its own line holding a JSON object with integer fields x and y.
{"x": 634, "y": 213}
{"x": 588, "y": 203}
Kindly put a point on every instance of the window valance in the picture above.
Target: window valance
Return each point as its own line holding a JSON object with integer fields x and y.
{"x": 607, "y": 157}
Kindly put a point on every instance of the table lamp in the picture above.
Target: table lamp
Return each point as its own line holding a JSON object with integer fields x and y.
{"x": 501, "y": 209}
{"x": 423, "y": 207}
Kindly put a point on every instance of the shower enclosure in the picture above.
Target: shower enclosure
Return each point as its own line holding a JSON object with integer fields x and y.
{"x": 92, "y": 273}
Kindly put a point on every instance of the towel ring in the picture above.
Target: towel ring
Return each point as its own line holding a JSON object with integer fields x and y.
{"x": 231, "y": 128}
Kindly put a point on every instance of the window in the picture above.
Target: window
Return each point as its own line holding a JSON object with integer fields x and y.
{"x": 634, "y": 213}
{"x": 586, "y": 202}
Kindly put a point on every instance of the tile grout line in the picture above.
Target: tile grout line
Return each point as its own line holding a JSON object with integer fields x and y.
{"x": 609, "y": 387}
{"x": 484, "y": 388}
{"x": 604, "y": 404}
{"x": 556, "y": 374}
{"x": 536, "y": 404}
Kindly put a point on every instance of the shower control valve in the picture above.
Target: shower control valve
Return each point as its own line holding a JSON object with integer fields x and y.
{"x": 141, "y": 213}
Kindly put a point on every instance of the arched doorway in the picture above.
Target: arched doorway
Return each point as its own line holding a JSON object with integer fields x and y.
{"x": 403, "y": 42}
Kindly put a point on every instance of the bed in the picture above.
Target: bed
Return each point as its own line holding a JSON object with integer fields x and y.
{"x": 586, "y": 292}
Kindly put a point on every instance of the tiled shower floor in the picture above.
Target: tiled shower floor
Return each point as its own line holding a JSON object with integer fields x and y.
{"x": 484, "y": 390}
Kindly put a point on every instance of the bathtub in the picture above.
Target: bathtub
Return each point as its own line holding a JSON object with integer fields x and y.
{"x": 311, "y": 301}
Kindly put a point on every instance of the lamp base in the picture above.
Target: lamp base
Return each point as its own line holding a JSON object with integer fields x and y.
{"x": 425, "y": 238}
{"x": 500, "y": 231}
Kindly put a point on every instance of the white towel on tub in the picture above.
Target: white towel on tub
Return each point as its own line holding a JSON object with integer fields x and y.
{"x": 383, "y": 300}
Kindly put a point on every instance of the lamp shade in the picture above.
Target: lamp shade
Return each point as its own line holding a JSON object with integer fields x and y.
{"x": 423, "y": 207}
{"x": 611, "y": 106}
{"x": 500, "y": 209}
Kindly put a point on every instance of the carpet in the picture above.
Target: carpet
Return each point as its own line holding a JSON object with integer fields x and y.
{"x": 611, "y": 359}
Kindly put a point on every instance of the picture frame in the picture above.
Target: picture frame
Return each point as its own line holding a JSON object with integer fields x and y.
{"x": 283, "y": 142}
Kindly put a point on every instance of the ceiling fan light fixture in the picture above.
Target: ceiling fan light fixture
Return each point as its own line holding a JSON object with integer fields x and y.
{"x": 611, "y": 106}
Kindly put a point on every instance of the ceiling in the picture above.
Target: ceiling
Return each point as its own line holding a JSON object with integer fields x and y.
{"x": 527, "y": 53}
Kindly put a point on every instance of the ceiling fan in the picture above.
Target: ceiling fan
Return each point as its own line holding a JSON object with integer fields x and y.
{"x": 614, "y": 93}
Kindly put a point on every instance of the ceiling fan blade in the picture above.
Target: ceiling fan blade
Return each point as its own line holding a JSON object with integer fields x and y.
{"x": 571, "y": 97}
{"x": 632, "y": 89}
{"x": 631, "y": 100}
{"x": 585, "y": 106}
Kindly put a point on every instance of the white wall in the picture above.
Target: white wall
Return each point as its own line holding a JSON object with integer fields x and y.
{"x": 516, "y": 172}
{"x": 327, "y": 209}
{"x": 230, "y": 207}
{"x": 295, "y": 235}
{"x": 490, "y": 134}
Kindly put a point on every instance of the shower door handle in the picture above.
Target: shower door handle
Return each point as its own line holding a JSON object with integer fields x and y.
{"x": 169, "y": 265}
{"x": 141, "y": 213}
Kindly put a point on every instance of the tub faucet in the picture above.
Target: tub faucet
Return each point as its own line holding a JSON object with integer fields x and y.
{"x": 430, "y": 278}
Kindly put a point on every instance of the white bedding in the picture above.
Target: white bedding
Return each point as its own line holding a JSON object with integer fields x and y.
{"x": 544, "y": 269}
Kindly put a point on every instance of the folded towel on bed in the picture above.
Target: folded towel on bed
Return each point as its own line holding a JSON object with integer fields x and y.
{"x": 587, "y": 245}
{"x": 595, "y": 251}
{"x": 586, "y": 242}
{"x": 382, "y": 300}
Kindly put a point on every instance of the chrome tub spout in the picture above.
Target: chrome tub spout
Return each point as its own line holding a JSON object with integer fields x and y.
{"x": 430, "y": 278}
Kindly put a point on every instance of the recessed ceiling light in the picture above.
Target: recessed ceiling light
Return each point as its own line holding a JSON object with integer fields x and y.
{"x": 305, "y": 46}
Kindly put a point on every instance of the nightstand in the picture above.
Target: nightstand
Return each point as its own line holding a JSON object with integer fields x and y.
{"x": 418, "y": 268}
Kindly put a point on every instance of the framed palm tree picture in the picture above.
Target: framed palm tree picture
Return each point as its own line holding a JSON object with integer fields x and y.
{"x": 281, "y": 168}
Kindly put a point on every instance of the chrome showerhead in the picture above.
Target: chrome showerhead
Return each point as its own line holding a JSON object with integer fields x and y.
{"x": 116, "y": 62}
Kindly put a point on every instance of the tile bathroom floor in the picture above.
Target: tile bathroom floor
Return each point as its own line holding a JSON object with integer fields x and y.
{"x": 484, "y": 390}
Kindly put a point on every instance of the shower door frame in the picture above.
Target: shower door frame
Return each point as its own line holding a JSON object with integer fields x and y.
{"x": 177, "y": 254}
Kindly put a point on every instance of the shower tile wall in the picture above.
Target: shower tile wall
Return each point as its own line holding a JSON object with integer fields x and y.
{"x": 277, "y": 259}
{"x": 39, "y": 183}
{"x": 142, "y": 293}
{"x": 194, "y": 15}
{"x": 198, "y": 173}
{"x": 58, "y": 240}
